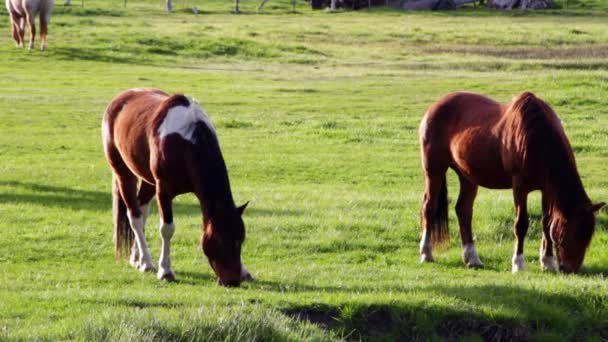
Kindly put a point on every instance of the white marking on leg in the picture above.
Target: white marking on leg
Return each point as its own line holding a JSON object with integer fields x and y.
{"x": 426, "y": 254}
{"x": 182, "y": 120}
{"x": 245, "y": 275}
{"x": 518, "y": 262}
{"x": 134, "y": 259}
{"x": 164, "y": 263}
{"x": 470, "y": 257}
{"x": 145, "y": 260}
{"x": 548, "y": 263}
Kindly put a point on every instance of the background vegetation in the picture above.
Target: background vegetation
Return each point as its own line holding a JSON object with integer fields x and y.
{"x": 317, "y": 115}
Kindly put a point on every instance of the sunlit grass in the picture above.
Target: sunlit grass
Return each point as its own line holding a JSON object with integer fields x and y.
{"x": 317, "y": 116}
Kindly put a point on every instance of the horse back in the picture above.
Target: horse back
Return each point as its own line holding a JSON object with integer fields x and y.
{"x": 458, "y": 131}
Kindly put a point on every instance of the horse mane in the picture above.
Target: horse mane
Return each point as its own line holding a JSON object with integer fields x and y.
{"x": 541, "y": 144}
{"x": 215, "y": 192}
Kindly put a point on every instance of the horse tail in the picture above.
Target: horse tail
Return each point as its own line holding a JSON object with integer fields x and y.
{"x": 123, "y": 235}
{"x": 439, "y": 228}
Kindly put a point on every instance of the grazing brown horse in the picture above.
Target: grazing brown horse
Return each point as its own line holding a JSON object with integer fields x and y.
{"x": 519, "y": 145}
{"x": 27, "y": 10}
{"x": 165, "y": 145}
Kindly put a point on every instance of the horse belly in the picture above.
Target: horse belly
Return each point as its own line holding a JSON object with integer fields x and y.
{"x": 479, "y": 160}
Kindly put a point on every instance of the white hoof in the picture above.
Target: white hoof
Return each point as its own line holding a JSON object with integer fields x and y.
{"x": 134, "y": 260}
{"x": 548, "y": 263}
{"x": 426, "y": 255}
{"x": 518, "y": 262}
{"x": 470, "y": 257}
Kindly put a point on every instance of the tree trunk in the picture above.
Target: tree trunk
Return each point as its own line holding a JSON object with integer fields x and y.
{"x": 236, "y": 7}
{"x": 169, "y": 6}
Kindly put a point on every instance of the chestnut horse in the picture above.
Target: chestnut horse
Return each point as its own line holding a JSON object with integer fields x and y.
{"x": 27, "y": 10}
{"x": 165, "y": 145}
{"x": 519, "y": 145}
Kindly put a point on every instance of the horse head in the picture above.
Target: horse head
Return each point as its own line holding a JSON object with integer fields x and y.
{"x": 572, "y": 236}
{"x": 222, "y": 239}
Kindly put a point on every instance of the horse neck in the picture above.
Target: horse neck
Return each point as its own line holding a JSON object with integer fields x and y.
{"x": 538, "y": 141}
{"x": 564, "y": 189}
{"x": 213, "y": 185}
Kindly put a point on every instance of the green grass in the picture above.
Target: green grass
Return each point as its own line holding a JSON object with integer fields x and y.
{"x": 317, "y": 115}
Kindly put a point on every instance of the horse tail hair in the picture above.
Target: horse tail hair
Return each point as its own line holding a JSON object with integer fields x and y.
{"x": 123, "y": 235}
{"x": 439, "y": 229}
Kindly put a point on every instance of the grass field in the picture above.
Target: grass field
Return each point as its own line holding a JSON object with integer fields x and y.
{"x": 317, "y": 115}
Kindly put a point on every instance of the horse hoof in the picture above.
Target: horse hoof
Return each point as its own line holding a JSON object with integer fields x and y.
{"x": 548, "y": 263}
{"x": 424, "y": 258}
{"x": 168, "y": 277}
{"x": 247, "y": 277}
{"x": 147, "y": 268}
{"x": 475, "y": 264}
{"x": 518, "y": 262}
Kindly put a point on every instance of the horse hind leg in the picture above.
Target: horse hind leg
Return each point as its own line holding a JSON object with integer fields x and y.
{"x": 144, "y": 196}
{"x": 464, "y": 211}
{"x": 17, "y": 29}
{"x": 32, "y": 25}
{"x": 434, "y": 215}
{"x": 127, "y": 184}
{"x": 43, "y": 31}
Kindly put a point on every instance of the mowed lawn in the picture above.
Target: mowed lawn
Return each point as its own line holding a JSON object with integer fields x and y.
{"x": 317, "y": 116}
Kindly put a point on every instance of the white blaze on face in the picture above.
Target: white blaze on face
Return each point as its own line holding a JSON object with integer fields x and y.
{"x": 182, "y": 120}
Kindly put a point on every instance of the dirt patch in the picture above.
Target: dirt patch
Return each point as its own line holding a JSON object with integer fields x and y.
{"x": 489, "y": 331}
{"x": 594, "y": 52}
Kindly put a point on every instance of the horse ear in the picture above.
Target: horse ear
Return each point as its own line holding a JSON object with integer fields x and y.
{"x": 594, "y": 208}
{"x": 241, "y": 209}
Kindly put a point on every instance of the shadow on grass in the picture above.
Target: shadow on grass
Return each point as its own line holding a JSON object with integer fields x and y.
{"x": 94, "y": 55}
{"x": 519, "y": 314}
{"x": 77, "y": 199}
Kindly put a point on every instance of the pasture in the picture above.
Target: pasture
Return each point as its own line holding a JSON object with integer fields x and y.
{"x": 317, "y": 115}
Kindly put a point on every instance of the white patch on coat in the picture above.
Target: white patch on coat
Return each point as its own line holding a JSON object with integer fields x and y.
{"x": 182, "y": 120}
{"x": 518, "y": 262}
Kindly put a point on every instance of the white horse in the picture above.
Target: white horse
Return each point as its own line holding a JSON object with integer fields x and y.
{"x": 27, "y": 10}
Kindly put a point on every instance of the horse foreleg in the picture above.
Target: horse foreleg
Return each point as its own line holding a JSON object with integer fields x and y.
{"x": 464, "y": 211}
{"x": 167, "y": 228}
{"x": 547, "y": 260}
{"x": 520, "y": 228}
